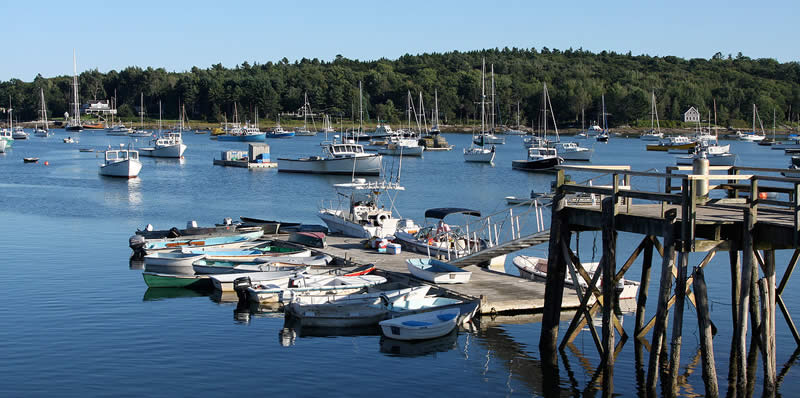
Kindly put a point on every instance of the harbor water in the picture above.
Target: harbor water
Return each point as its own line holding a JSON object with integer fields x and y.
{"x": 77, "y": 319}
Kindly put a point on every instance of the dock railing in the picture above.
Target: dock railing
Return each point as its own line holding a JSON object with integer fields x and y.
{"x": 732, "y": 182}
{"x": 493, "y": 230}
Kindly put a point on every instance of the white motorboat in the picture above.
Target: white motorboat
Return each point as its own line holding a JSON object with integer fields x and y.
{"x": 373, "y": 293}
{"x": 19, "y": 134}
{"x": 535, "y": 268}
{"x": 365, "y": 215}
{"x": 716, "y": 159}
{"x": 169, "y": 145}
{"x": 426, "y": 325}
{"x": 339, "y": 158}
{"x": 479, "y": 154}
{"x": 401, "y": 146}
{"x": 573, "y": 151}
{"x": 121, "y": 163}
{"x": 437, "y": 271}
{"x": 441, "y": 239}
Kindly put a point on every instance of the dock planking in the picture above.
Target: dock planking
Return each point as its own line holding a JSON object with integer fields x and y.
{"x": 499, "y": 292}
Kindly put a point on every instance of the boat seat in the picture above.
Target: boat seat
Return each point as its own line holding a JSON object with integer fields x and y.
{"x": 446, "y": 317}
{"x": 417, "y": 323}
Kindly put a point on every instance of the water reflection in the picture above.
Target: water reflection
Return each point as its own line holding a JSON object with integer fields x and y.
{"x": 164, "y": 293}
{"x": 305, "y": 331}
{"x": 400, "y": 348}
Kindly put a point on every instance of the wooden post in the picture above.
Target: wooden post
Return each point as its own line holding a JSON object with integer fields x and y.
{"x": 677, "y": 323}
{"x": 766, "y": 355}
{"x": 609, "y": 291}
{"x": 706, "y": 339}
{"x": 778, "y": 299}
{"x": 768, "y": 318}
{"x": 740, "y": 333}
{"x": 644, "y": 285}
{"x": 755, "y": 312}
{"x": 663, "y": 296}
{"x": 736, "y": 273}
{"x": 556, "y": 271}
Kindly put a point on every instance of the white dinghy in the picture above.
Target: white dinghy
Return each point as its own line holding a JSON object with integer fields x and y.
{"x": 427, "y": 325}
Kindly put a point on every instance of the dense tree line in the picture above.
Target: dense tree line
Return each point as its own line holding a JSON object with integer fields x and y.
{"x": 576, "y": 80}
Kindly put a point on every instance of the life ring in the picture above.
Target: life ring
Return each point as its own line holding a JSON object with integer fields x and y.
{"x": 381, "y": 219}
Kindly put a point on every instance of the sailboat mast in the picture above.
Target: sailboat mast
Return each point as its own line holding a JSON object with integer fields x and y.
{"x": 492, "y": 127}
{"x": 436, "y": 106}
{"x": 76, "y": 115}
{"x": 360, "y": 108}
{"x": 483, "y": 97}
{"x": 141, "y": 110}
{"x": 159, "y": 117}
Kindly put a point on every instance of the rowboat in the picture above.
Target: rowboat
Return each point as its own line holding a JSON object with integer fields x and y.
{"x": 314, "y": 284}
{"x": 535, "y": 268}
{"x": 206, "y": 266}
{"x": 437, "y": 271}
{"x": 139, "y": 242}
{"x": 248, "y": 255}
{"x": 415, "y": 304}
{"x": 155, "y": 279}
{"x": 311, "y": 239}
{"x": 427, "y": 325}
{"x": 171, "y": 262}
{"x": 335, "y": 315}
{"x": 373, "y": 292}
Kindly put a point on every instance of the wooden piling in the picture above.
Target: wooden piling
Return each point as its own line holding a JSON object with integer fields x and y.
{"x": 767, "y": 355}
{"x": 556, "y": 271}
{"x": 609, "y": 291}
{"x": 677, "y": 323}
{"x": 768, "y": 317}
{"x": 659, "y": 331}
{"x": 644, "y": 285}
{"x": 706, "y": 337}
{"x": 748, "y": 262}
{"x": 736, "y": 273}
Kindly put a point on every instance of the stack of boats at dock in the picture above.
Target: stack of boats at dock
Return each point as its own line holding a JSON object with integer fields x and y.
{"x": 311, "y": 290}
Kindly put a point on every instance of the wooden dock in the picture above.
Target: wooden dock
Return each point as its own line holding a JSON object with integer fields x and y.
{"x": 499, "y": 292}
{"x": 687, "y": 218}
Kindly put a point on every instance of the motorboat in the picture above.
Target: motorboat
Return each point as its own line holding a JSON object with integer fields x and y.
{"x": 364, "y": 215}
{"x": 119, "y": 129}
{"x": 19, "y": 134}
{"x": 436, "y": 271}
{"x": 678, "y": 142}
{"x": 169, "y": 145}
{"x": 539, "y": 159}
{"x": 338, "y": 158}
{"x": 279, "y": 132}
{"x": 149, "y": 239}
{"x": 573, "y": 151}
{"x": 441, "y": 239}
{"x": 69, "y": 140}
{"x": 121, "y": 163}
{"x": 487, "y": 138}
{"x": 794, "y": 168}
{"x": 715, "y": 159}
{"x": 243, "y": 134}
{"x": 535, "y": 268}
{"x": 401, "y": 146}
{"x": 479, "y": 154}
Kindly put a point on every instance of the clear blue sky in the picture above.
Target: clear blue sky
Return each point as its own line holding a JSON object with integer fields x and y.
{"x": 176, "y": 35}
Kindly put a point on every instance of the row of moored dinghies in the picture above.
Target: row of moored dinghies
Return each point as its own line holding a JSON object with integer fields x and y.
{"x": 310, "y": 289}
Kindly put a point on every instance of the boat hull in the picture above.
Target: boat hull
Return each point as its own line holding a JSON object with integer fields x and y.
{"x": 363, "y": 165}
{"x": 479, "y": 156}
{"x": 429, "y": 325}
{"x": 437, "y": 271}
{"x": 583, "y": 156}
{"x": 243, "y": 138}
{"x": 333, "y": 315}
{"x": 154, "y": 279}
{"x": 535, "y": 165}
{"x": 665, "y": 148}
{"x": 169, "y": 151}
{"x": 125, "y": 169}
{"x": 727, "y": 159}
{"x": 403, "y": 151}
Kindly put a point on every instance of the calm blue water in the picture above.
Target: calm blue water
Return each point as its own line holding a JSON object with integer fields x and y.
{"x": 76, "y": 320}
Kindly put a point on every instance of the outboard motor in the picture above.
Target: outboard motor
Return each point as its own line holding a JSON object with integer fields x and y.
{"x": 136, "y": 243}
{"x": 173, "y": 233}
{"x": 240, "y": 286}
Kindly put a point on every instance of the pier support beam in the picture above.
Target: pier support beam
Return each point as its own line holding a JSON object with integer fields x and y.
{"x": 736, "y": 273}
{"x": 556, "y": 271}
{"x": 609, "y": 265}
{"x": 663, "y": 296}
{"x": 748, "y": 263}
{"x": 641, "y": 300}
{"x": 677, "y": 323}
{"x": 706, "y": 339}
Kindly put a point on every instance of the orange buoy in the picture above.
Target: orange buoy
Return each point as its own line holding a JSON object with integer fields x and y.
{"x": 46, "y": 163}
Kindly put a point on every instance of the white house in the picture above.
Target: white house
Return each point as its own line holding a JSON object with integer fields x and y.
{"x": 692, "y": 115}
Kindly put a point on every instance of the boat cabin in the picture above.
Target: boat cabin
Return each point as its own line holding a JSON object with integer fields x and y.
{"x": 121, "y": 155}
{"x": 344, "y": 150}
{"x": 540, "y": 153}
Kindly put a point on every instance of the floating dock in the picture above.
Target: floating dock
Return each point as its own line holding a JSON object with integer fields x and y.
{"x": 256, "y": 157}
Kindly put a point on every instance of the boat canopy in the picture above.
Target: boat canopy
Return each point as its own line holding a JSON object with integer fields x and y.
{"x": 442, "y": 212}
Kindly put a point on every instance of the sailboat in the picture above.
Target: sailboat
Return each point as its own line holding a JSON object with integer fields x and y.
{"x": 654, "y": 134}
{"x": 476, "y": 152}
{"x": 305, "y": 131}
{"x": 39, "y": 131}
{"x": 74, "y": 120}
{"x": 518, "y": 129}
{"x": 603, "y": 136}
{"x": 327, "y": 127}
{"x": 488, "y": 136}
{"x": 7, "y": 135}
{"x": 236, "y": 132}
{"x": 540, "y": 157}
{"x": 433, "y": 140}
{"x": 341, "y": 157}
{"x": 141, "y": 132}
{"x": 166, "y": 145}
{"x": 405, "y": 144}
{"x": 769, "y": 141}
{"x": 752, "y": 136}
